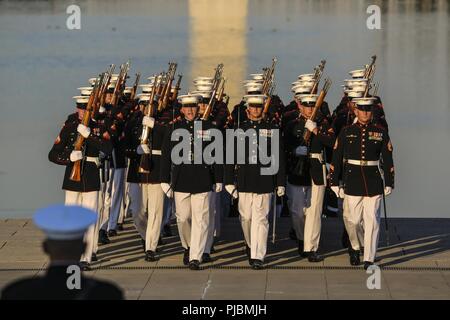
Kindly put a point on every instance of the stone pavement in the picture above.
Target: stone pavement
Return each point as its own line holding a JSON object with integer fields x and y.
{"x": 415, "y": 265}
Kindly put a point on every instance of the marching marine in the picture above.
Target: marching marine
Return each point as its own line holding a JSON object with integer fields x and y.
{"x": 364, "y": 178}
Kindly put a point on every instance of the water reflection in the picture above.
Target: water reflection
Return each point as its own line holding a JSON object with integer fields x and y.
{"x": 42, "y": 63}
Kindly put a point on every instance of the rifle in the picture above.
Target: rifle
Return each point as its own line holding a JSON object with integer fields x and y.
{"x": 144, "y": 164}
{"x": 177, "y": 88}
{"x": 75, "y": 174}
{"x": 135, "y": 86}
{"x": 369, "y": 80}
{"x": 124, "y": 68}
{"x": 268, "y": 87}
{"x": 323, "y": 93}
{"x": 318, "y": 75}
{"x": 268, "y": 79}
{"x": 216, "y": 83}
{"x": 370, "y": 66}
{"x": 267, "y": 103}
{"x": 221, "y": 90}
{"x": 165, "y": 98}
{"x": 103, "y": 89}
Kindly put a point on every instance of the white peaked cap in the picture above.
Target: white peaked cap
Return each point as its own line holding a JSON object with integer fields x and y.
{"x": 306, "y": 76}
{"x": 61, "y": 222}
{"x": 365, "y": 101}
{"x": 257, "y": 76}
{"x": 301, "y": 89}
{"x": 127, "y": 90}
{"x": 203, "y": 93}
{"x": 92, "y": 81}
{"x": 358, "y": 73}
{"x": 144, "y": 97}
{"x": 354, "y": 94}
{"x": 81, "y": 99}
{"x": 203, "y": 87}
{"x": 85, "y": 91}
{"x": 190, "y": 99}
{"x": 255, "y": 98}
{"x": 146, "y": 88}
{"x": 309, "y": 98}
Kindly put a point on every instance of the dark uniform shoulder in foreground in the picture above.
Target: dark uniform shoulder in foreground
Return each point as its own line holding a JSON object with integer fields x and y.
{"x": 53, "y": 287}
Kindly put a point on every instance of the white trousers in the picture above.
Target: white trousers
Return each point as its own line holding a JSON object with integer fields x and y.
{"x": 114, "y": 198}
{"x": 215, "y": 210}
{"x": 254, "y": 210}
{"x": 153, "y": 203}
{"x": 192, "y": 211}
{"x": 134, "y": 205}
{"x": 88, "y": 200}
{"x": 360, "y": 231}
{"x": 305, "y": 206}
{"x": 357, "y": 208}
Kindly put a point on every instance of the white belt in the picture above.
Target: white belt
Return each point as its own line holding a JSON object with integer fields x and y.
{"x": 317, "y": 156}
{"x": 156, "y": 152}
{"x": 363, "y": 162}
{"x": 94, "y": 160}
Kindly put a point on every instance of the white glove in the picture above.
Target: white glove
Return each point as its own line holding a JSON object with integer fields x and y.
{"x": 102, "y": 109}
{"x": 338, "y": 191}
{"x": 280, "y": 191}
{"x": 83, "y": 130}
{"x": 387, "y": 191}
{"x": 231, "y": 189}
{"x": 310, "y": 125}
{"x": 218, "y": 187}
{"x": 76, "y": 155}
{"x": 143, "y": 148}
{"x": 148, "y": 121}
{"x": 167, "y": 189}
{"x": 301, "y": 151}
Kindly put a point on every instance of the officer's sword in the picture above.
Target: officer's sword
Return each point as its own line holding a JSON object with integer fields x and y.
{"x": 274, "y": 215}
{"x": 386, "y": 225}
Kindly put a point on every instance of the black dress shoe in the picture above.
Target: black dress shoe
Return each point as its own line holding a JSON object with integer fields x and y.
{"x": 167, "y": 231}
{"x": 120, "y": 226}
{"x": 354, "y": 257}
{"x": 314, "y": 257}
{"x": 257, "y": 264}
{"x": 194, "y": 265}
{"x": 367, "y": 264}
{"x": 84, "y": 266}
{"x": 186, "y": 257}
{"x": 150, "y": 256}
{"x": 292, "y": 234}
{"x": 301, "y": 252}
{"x": 94, "y": 257}
{"x": 103, "y": 237}
{"x": 112, "y": 233}
{"x": 250, "y": 262}
{"x": 206, "y": 257}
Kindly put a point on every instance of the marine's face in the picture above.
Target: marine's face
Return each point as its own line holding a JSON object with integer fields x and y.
{"x": 202, "y": 108}
{"x": 108, "y": 97}
{"x": 254, "y": 112}
{"x": 363, "y": 116}
{"x": 190, "y": 111}
{"x": 306, "y": 111}
{"x": 80, "y": 113}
